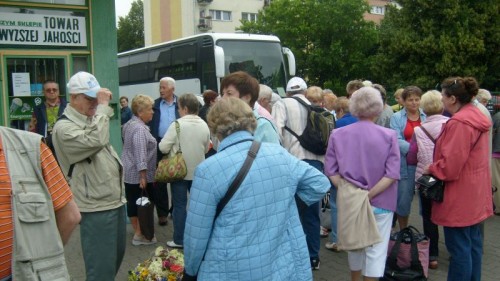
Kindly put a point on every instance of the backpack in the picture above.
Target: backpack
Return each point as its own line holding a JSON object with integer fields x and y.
{"x": 48, "y": 138}
{"x": 48, "y": 141}
{"x": 320, "y": 124}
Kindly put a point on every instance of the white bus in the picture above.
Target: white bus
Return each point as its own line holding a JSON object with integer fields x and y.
{"x": 198, "y": 63}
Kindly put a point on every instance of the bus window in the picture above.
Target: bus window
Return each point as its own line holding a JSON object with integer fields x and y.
{"x": 123, "y": 70}
{"x": 267, "y": 66}
{"x": 138, "y": 68}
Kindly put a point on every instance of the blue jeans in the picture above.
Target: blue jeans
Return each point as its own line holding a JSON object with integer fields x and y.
{"x": 333, "y": 213}
{"x": 309, "y": 217}
{"x": 179, "y": 213}
{"x": 466, "y": 248}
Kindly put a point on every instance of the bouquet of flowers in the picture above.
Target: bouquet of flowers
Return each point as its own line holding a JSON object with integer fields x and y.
{"x": 165, "y": 265}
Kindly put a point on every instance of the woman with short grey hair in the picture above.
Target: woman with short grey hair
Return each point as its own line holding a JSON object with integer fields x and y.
{"x": 259, "y": 227}
{"x": 355, "y": 162}
{"x": 191, "y": 135}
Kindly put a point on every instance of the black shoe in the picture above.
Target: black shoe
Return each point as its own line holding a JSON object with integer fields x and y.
{"x": 162, "y": 221}
{"x": 315, "y": 263}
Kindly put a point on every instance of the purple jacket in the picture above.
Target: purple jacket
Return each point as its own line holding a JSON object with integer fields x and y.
{"x": 363, "y": 153}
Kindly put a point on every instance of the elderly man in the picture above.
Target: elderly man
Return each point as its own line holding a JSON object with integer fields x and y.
{"x": 241, "y": 85}
{"x": 165, "y": 111}
{"x": 39, "y": 234}
{"x": 95, "y": 174}
{"x": 290, "y": 113}
{"x": 45, "y": 115}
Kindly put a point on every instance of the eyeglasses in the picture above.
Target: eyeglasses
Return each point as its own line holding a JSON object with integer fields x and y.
{"x": 52, "y": 90}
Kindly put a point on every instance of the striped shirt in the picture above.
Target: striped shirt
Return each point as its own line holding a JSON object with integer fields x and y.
{"x": 59, "y": 191}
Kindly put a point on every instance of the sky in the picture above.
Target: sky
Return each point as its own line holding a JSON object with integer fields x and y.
{"x": 122, "y": 7}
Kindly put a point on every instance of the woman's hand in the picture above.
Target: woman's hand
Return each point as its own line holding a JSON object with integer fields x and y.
{"x": 143, "y": 182}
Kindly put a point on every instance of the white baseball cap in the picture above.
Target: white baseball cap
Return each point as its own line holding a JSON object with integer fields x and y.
{"x": 296, "y": 84}
{"x": 83, "y": 83}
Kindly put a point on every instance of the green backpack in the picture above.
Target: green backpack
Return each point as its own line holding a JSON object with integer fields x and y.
{"x": 320, "y": 124}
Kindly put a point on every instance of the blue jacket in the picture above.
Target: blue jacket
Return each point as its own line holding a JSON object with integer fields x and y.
{"x": 258, "y": 235}
{"x": 345, "y": 120}
{"x": 154, "y": 124}
{"x": 398, "y": 123}
{"x": 40, "y": 113}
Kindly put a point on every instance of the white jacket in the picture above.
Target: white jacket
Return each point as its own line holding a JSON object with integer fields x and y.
{"x": 194, "y": 140}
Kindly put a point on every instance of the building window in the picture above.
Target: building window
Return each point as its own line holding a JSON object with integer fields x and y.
{"x": 249, "y": 17}
{"x": 378, "y": 10}
{"x": 220, "y": 15}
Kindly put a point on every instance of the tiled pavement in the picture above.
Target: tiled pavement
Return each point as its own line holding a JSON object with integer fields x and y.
{"x": 333, "y": 265}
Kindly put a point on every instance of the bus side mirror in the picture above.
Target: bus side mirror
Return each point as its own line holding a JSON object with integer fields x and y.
{"x": 291, "y": 61}
{"x": 219, "y": 62}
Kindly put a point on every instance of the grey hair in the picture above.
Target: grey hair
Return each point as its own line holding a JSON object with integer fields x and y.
{"x": 265, "y": 92}
{"x": 170, "y": 81}
{"x": 483, "y": 94}
{"x": 230, "y": 115}
{"x": 366, "y": 103}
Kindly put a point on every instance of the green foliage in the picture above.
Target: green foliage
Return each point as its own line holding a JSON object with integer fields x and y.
{"x": 131, "y": 28}
{"x": 331, "y": 41}
{"x": 426, "y": 41}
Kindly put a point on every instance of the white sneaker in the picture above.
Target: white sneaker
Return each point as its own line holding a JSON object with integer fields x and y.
{"x": 137, "y": 241}
{"x": 172, "y": 244}
{"x": 332, "y": 246}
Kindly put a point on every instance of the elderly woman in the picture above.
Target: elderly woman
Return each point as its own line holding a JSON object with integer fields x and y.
{"x": 370, "y": 164}
{"x": 191, "y": 135}
{"x": 420, "y": 154}
{"x": 404, "y": 122}
{"x": 139, "y": 161}
{"x": 461, "y": 160}
{"x": 258, "y": 234}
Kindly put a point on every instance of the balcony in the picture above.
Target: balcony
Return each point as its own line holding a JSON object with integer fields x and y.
{"x": 204, "y": 2}
{"x": 205, "y": 24}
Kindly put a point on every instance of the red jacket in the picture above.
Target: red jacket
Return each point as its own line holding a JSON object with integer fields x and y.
{"x": 461, "y": 159}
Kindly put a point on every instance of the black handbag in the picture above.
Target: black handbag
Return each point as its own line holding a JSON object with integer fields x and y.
{"x": 393, "y": 272}
{"x": 145, "y": 215}
{"x": 431, "y": 188}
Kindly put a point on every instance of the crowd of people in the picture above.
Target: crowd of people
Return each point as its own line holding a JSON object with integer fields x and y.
{"x": 270, "y": 228}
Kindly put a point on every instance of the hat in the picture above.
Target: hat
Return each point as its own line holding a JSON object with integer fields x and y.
{"x": 83, "y": 83}
{"x": 296, "y": 84}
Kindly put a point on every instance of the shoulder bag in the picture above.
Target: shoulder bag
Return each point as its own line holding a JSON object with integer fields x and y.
{"x": 172, "y": 168}
{"x": 394, "y": 270}
{"x": 430, "y": 187}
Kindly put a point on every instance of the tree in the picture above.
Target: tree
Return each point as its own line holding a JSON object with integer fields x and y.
{"x": 426, "y": 41}
{"x": 131, "y": 28}
{"x": 330, "y": 39}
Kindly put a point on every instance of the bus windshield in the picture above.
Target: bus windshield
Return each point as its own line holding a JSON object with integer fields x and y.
{"x": 263, "y": 60}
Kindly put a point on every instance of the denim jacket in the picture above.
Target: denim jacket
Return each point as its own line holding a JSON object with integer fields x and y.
{"x": 398, "y": 123}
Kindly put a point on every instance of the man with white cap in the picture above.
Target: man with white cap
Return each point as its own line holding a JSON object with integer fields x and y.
{"x": 94, "y": 172}
{"x": 290, "y": 113}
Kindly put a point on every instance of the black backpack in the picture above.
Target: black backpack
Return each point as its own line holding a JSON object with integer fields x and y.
{"x": 320, "y": 124}
{"x": 48, "y": 138}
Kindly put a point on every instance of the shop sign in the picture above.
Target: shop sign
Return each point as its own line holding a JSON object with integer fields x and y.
{"x": 47, "y": 30}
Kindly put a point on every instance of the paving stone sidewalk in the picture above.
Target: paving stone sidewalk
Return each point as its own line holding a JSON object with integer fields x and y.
{"x": 333, "y": 265}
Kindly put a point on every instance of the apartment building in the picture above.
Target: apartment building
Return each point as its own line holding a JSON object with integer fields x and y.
{"x": 166, "y": 20}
